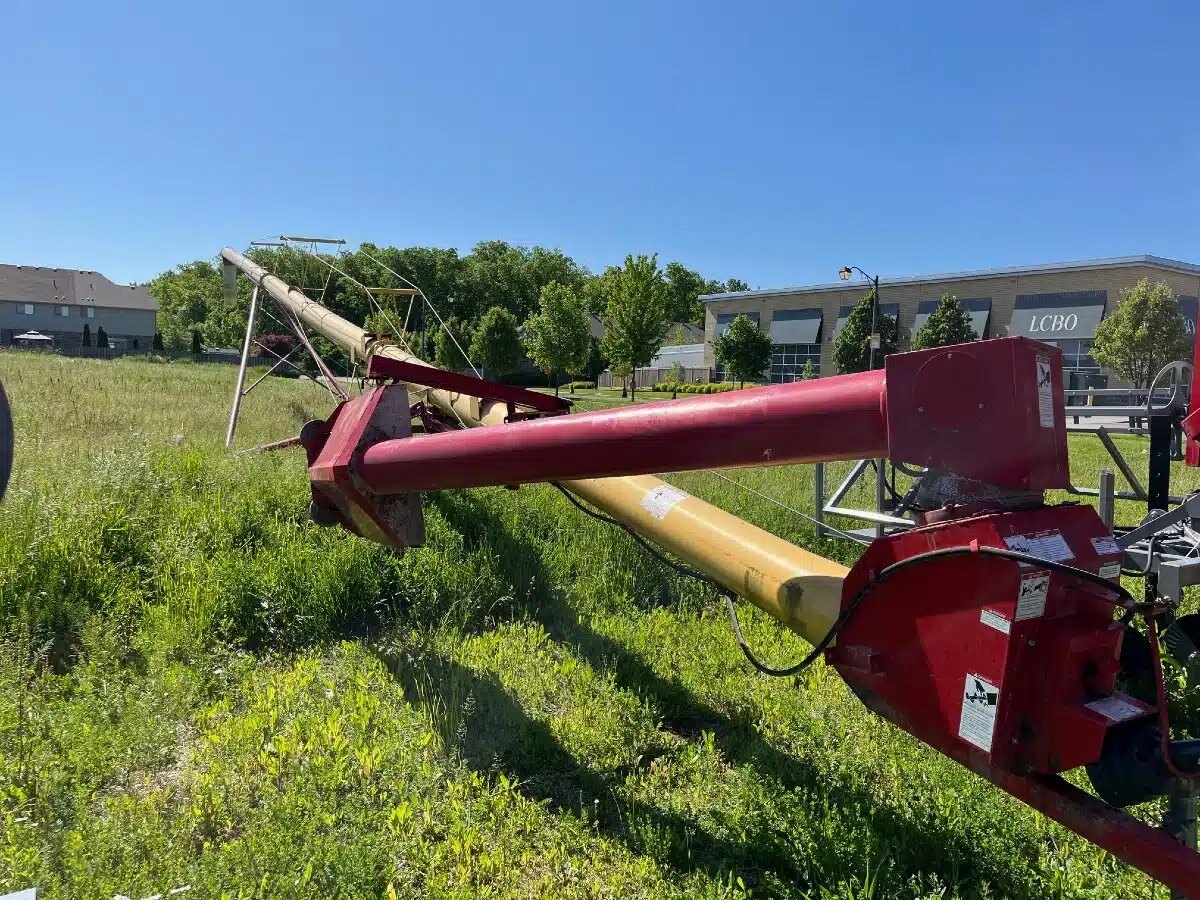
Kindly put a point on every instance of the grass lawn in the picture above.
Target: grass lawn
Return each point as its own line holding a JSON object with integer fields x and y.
{"x": 200, "y": 688}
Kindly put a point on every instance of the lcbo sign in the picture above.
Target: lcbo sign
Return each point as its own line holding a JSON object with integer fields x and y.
{"x": 1053, "y": 323}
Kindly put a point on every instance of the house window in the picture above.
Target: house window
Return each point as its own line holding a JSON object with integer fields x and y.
{"x": 63, "y": 311}
{"x": 25, "y": 309}
{"x": 89, "y": 312}
{"x": 788, "y": 361}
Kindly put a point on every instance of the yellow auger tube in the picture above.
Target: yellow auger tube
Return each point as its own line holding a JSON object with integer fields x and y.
{"x": 800, "y": 589}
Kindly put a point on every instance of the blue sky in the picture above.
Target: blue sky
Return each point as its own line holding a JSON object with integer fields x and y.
{"x": 771, "y": 141}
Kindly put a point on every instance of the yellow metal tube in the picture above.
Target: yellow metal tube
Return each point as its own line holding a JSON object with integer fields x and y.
{"x": 800, "y": 589}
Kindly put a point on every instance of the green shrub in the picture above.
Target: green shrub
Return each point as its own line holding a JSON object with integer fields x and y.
{"x": 687, "y": 387}
{"x": 580, "y": 385}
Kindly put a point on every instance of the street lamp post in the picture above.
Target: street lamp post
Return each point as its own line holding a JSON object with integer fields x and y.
{"x": 876, "y": 340}
{"x": 876, "y": 344}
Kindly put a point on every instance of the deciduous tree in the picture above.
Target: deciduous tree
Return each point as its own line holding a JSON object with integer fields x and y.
{"x": 558, "y": 339}
{"x": 496, "y": 345}
{"x": 636, "y": 314}
{"x": 1146, "y": 332}
{"x": 948, "y": 324}
{"x": 446, "y": 352}
{"x": 743, "y": 349}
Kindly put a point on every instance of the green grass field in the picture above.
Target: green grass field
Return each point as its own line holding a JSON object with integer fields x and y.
{"x": 199, "y": 688}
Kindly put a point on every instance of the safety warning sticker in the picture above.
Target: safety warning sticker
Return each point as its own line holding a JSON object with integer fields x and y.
{"x": 978, "y": 721}
{"x": 1110, "y": 570}
{"x": 659, "y": 501}
{"x": 1116, "y": 709}
{"x": 1031, "y": 595}
{"x": 1106, "y": 546}
{"x": 1045, "y": 393}
{"x": 1042, "y": 544}
{"x": 993, "y": 619}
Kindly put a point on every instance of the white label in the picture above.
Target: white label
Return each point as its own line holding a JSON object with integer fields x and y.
{"x": 1045, "y": 393}
{"x": 993, "y": 619}
{"x": 1042, "y": 544}
{"x": 1031, "y": 595}
{"x": 1110, "y": 570}
{"x": 1116, "y": 709}
{"x": 978, "y": 721}
{"x": 660, "y": 500}
{"x": 1106, "y": 546}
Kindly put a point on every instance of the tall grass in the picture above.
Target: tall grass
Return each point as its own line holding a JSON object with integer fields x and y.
{"x": 199, "y": 688}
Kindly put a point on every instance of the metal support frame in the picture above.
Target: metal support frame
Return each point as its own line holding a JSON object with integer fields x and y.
{"x": 883, "y": 522}
{"x": 1108, "y": 503}
{"x": 238, "y": 392}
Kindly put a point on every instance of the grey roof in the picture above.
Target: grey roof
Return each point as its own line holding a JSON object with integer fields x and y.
{"x": 41, "y": 284}
{"x": 1111, "y": 262}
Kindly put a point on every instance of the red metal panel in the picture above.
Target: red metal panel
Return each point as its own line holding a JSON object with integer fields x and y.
{"x": 934, "y": 633}
{"x": 382, "y": 411}
{"x": 978, "y": 410}
{"x": 429, "y": 376}
{"x": 830, "y": 419}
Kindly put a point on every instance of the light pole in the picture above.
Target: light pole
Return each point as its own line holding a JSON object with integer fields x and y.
{"x": 876, "y": 341}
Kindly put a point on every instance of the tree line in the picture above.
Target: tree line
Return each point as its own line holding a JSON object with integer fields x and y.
{"x": 490, "y": 300}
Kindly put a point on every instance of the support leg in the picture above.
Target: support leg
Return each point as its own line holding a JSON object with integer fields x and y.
{"x": 241, "y": 375}
{"x": 1180, "y": 822}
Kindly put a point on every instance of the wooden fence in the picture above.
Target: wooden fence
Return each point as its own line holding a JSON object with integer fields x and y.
{"x": 646, "y": 378}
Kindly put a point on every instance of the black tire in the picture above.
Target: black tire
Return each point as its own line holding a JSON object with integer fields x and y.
{"x": 1137, "y": 666}
{"x": 6, "y": 442}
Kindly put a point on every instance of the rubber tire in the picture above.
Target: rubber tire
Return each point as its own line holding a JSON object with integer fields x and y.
{"x": 6, "y": 442}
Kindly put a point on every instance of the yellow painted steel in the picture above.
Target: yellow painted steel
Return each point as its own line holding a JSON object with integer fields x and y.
{"x": 799, "y": 588}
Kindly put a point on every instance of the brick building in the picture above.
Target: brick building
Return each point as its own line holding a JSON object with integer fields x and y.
{"x": 1059, "y": 303}
{"x": 59, "y": 302}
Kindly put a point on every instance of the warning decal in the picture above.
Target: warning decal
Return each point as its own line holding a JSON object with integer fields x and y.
{"x": 1031, "y": 595}
{"x": 659, "y": 501}
{"x": 993, "y": 619}
{"x": 1106, "y": 546}
{"x": 1045, "y": 393}
{"x": 1042, "y": 544}
{"x": 1110, "y": 570}
{"x": 978, "y": 721}
{"x": 1116, "y": 709}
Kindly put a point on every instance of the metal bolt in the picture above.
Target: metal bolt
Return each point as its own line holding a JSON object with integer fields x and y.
{"x": 920, "y": 409}
{"x": 981, "y": 406}
{"x": 1031, "y": 642}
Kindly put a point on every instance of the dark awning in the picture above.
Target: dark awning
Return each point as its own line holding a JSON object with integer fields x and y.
{"x": 796, "y": 326}
{"x": 1053, "y": 317}
{"x": 978, "y": 308}
{"x": 885, "y": 309}
{"x": 724, "y": 319}
{"x": 1187, "y": 306}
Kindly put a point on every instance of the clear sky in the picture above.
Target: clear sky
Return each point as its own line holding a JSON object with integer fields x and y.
{"x": 770, "y": 141}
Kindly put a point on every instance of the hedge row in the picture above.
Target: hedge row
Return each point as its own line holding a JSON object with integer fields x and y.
{"x": 685, "y": 387}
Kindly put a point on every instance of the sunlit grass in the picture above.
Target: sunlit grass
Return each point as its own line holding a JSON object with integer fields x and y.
{"x": 200, "y": 688}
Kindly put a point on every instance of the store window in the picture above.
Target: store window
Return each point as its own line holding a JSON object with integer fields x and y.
{"x": 788, "y": 361}
{"x": 1077, "y": 355}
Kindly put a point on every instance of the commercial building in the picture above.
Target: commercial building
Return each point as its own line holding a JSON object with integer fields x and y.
{"x": 1059, "y": 303}
{"x": 60, "y": 302}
